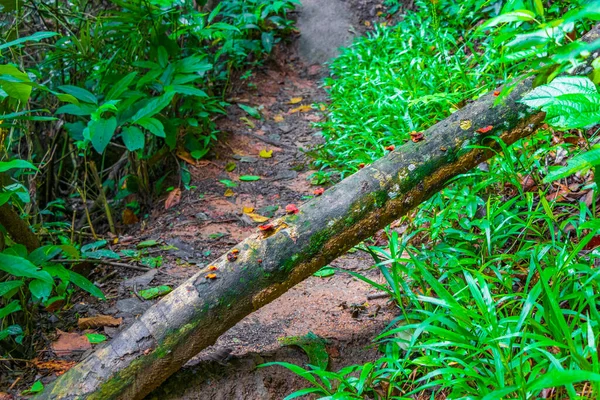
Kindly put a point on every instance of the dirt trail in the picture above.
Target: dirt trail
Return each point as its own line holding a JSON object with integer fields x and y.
{"x": 210, "y": 219}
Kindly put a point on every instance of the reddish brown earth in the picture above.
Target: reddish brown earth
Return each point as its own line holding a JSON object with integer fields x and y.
{"x": 206, "y": 223}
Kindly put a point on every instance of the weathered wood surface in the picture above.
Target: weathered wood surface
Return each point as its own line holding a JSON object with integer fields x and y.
{"x": 194, "y": 315}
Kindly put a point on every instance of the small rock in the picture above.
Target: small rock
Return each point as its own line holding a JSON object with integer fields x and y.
{"x": 142, "y": 280}
{"x": 285, "y": 128}
{"x": 286, "y": 174}
{"x": 202, "y": 216}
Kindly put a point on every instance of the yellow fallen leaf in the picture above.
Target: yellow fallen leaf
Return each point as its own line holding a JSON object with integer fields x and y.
{"x": 257, "y": 217}
{"x": 295, "y": 100}
{"x": 229, "y": 193}
{"x": 248, "y": 210}
{"x": 322, "y": 107}
{"x": 278, "y": 118}
{"x": 465, "y": 124}
{"x": 248, "y": 122}
{"x": 304, "y": 108}
{"x": 367, "y": 23}
{"x": 266, "y": 153}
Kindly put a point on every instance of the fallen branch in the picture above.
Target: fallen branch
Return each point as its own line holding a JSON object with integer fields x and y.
{"x": 105, "y": 262}
{"x": 268, "y": 263}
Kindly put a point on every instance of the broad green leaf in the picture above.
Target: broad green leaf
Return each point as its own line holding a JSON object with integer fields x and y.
{"x": 253, "y": 112}
{"x": 249, "y": 178}
{"x": 21, "y": 267}
{"x": 153, "y": 125}
{"x": 12, "y": 307}
{"x": 16, "y": 87}
{"x": 102, "y": 253}
{"x": 228, "y": 183}
{"x": 16, "y": 164}
{"x": 147, "y": 243}
{"x": 267, "y": 39}
{"x": 40, "y": 289}
{"x": 555, "y": 378}
{"x": 121, "y": 86}
{"x": 101, "y": 132}
{"x": 155, "y": 292}
{"x": 37, "y": 387}
{"x": 43, "y": 254}
{"x": 36, "y": 37}
{"x": 74, "y": 109}
{"x": 95, "y": 338}
{"x": 153, "y": 107}
{"x": 79, "y": 93}
{"x": 12, "y": 330}
{"x": 133, "y": 138}
{"x": 578, "y": 163}
{"x": 187, "y": 90}
{"x": 325, "y": 272}
{"x": 85, "y": 284}
{"x": 573, "y": 111}
{"x": 546, "y": 94}
{"x": 513, "y": 16}
{"x": 6, "y": 287}
{"x": 94, "y": 245}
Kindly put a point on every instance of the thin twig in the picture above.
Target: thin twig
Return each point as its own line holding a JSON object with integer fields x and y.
{"x": 271, "y": 142}
{"x": 375, "y": 296}
{"x": 106, "y": 262}
{"x": 103, "y": 198}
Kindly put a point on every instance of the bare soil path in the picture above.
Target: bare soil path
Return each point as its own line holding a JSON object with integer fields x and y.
{"x": 211, "y": 217}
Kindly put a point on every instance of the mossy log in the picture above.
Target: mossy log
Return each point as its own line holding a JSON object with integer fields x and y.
{"x": 269, "y": 263}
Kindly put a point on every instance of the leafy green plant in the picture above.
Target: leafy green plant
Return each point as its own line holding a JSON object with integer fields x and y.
{"x": 28, "y": 280}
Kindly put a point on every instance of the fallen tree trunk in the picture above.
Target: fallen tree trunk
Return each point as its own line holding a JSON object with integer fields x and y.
{"x": 268, "y": 263}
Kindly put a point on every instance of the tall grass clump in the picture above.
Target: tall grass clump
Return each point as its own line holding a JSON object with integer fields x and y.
{"x": 497, "y": 294}
{"x": 399, "y": 79}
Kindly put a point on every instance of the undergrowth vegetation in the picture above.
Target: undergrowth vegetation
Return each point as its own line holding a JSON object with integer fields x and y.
{"x": 495, "y": 278}
{"x": 407, "y": 77}
{"x": 100, "y": 103}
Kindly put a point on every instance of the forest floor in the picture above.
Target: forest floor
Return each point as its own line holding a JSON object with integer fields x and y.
{"x": 211, "y": 217}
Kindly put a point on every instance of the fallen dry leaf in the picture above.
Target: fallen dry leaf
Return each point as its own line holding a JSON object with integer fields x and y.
{"x": 303, "y": 108}
{"x": 68, "y": 343}
{"x": 211, "y": 276}
{"x": 257, "y": 217}
{"x": 247, "y": 210}
{"x": 295, "y": 100}
{"x": 59, "y": 367}
{"x": 98, "y": 321}
{"x": 173, "y": 198}
{"x": 212, "y": 268}
{"x": 185, "y": 156}
{"x": 390, "y": 147}
{"x": 229, "y": 193}
{"x": 129, "y": 217}
{"x": 278, "y": 118}
{"x": 318, "y": 191}
{"x": 266, "y": 153}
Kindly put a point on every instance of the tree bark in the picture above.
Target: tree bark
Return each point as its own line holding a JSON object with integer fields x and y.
{"x": 17, "y": 228}
{"x": 269, "y": 263}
